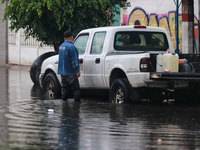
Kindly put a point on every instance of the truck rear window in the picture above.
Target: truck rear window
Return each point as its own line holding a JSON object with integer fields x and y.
{"x": 145, "y": 41}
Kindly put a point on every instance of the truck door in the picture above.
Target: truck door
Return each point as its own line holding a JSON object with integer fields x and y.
{"x": 81, "y": 43}
{"x": 94, "y": 62}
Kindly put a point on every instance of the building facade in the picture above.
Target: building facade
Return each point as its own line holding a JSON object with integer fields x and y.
{"x": 155, "y": 13}
{"x": 160, "y": 13}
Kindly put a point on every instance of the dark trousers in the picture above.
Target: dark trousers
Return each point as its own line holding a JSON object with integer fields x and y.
{"x": 70, "y": 83}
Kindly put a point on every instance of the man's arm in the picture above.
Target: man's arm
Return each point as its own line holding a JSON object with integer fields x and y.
{"x": 74, "y": 60}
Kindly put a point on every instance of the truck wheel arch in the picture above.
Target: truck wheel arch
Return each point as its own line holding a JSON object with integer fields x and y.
{"x": 47, "y": 72}
{"x": 120, "y": 92}
{"x": 119, "y": 74}
{"x": 116, "y": 74}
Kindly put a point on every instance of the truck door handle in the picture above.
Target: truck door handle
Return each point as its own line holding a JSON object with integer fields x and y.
{"x": 97, "y": 61}
{"x": 80, "y": 61}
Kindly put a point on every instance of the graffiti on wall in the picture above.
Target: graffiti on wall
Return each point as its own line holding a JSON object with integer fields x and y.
{"x": 138, "y": 16}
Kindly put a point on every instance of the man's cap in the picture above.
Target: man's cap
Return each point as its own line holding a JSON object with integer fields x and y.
{"x": 68, "y": 34}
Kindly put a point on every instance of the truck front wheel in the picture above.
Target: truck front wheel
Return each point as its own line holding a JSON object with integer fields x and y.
{"x": 51, "y": 87}
{"x": 119, "y": 92}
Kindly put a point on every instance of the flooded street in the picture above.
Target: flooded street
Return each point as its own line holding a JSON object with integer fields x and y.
{"x": 29, "y": 122}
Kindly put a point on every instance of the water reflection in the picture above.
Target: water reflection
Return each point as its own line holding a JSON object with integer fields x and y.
{"x": 70, "y": 124}
{"x": 29, "y": 122}
{"x": 160, "y": 127}
{"x": 3, "y": 105}
{"x": 36, "y": 92}
{"x": 31, "y": 126}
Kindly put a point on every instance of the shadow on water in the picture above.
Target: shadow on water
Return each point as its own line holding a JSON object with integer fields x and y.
{"x": 36, "y": 92}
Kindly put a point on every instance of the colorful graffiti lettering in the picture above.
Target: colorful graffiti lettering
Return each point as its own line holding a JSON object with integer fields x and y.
{"x": 138, "y": 16}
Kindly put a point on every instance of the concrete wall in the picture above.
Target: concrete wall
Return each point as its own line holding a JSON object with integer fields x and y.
{"x": 24, "y": 52}
{"x": 3, "y": 37}
{"x": 25, "y": 55}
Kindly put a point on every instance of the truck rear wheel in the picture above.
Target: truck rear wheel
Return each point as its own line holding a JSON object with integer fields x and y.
{"x": 51, "y": 87}
{"x": 119, "y": 92}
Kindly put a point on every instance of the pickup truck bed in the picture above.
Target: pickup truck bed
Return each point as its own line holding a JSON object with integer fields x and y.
{"x": 187, "y": 78}
{"x": 194, "y": 59}
{"x": 182, "y": 86}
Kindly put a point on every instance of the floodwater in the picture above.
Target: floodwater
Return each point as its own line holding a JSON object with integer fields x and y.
{"x": 29, "y": 122}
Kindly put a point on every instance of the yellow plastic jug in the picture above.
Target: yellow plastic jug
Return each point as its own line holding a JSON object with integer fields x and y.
{"x": 170, "y": 62}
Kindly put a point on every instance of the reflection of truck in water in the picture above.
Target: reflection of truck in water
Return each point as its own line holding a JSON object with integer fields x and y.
{"x": 131, "y": 62}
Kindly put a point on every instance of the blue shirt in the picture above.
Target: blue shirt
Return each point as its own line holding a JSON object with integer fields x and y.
{"x": 68, "y": 64}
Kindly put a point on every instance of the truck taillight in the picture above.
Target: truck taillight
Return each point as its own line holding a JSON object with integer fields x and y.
{"x": 144, "y": 65}
{"x": 141, "y": 27}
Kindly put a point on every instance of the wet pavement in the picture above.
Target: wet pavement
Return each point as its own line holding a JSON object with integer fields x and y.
{"x": 29, "y": 122}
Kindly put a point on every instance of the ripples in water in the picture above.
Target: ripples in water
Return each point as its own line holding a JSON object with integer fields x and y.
{"x": 30, "y": 125}
{"x": 54, "y": 124}
{"x": 29, "y": 122}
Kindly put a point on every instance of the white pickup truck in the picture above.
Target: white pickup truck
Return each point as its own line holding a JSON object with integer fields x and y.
{"x": 124, "y": 60}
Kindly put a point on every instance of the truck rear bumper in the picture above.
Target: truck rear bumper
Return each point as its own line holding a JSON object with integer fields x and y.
{"x": 175, "y": 76}
{"x": 173, "y": 80}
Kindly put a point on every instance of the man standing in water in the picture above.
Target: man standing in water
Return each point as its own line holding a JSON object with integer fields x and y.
{"x": 68, "y": 67}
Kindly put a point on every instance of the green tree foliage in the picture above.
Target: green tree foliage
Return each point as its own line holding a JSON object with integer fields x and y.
{"x": 46, "y": 20}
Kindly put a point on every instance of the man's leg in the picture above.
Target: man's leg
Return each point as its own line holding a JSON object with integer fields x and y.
{"x": 65, "y": 88}
{"x": 76, "y": 89}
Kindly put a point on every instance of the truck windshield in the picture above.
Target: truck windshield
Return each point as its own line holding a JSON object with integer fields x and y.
{"x": 146, "y": 41}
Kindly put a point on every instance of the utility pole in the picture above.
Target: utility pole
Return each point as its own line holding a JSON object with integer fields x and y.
{"x": 177, "y": 27}
{"x": 188, "y": 26}
{"x": 199, "y": 26}
{"x": 3, "y": 36}
{"x": 177, "y": 24}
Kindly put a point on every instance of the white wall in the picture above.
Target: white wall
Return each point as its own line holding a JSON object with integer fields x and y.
{"x": 26, "y": 55}
{"x": 24, "y": 52}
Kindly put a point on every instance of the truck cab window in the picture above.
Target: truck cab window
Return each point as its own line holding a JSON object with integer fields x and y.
{"x": 97, "y": 44}
{"x": 81, "y": 42}
{"x": 146, "y": 41}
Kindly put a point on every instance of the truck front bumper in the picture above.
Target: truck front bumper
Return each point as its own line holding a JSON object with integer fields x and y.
{"x": 41, "y": 76}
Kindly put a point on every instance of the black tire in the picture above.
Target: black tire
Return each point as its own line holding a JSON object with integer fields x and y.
{"x": 36, "y": 66}
{"x": 51, "y": 86}
{"x": 119, "y": 92}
